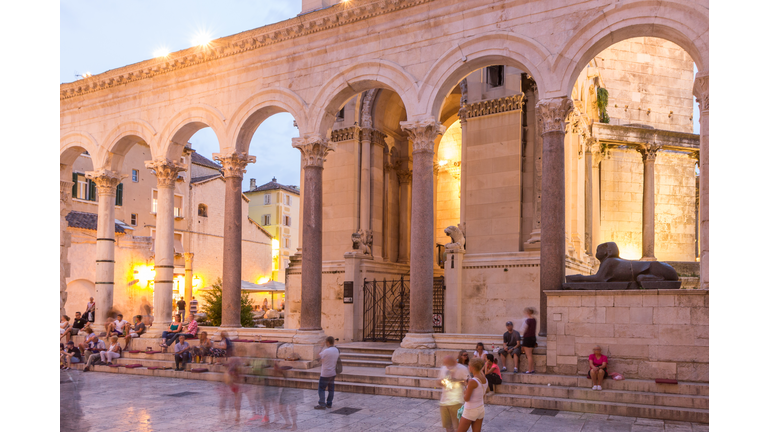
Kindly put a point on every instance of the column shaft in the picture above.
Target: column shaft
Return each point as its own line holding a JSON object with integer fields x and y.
{"x": 701, "y": 91}
{"x": 649, "y": 205}
{"x": 405, "y": 177}
{"x": 552, "y": 115}
{"x": 365, "y": 180}
{"x": 188, "y": 282}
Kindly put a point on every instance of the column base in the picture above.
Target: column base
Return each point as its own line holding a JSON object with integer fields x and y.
{"x": 533, "y": 243}
{"x": 418, "y": 341}
{"x": 416, "y": 349}
{"x": 312, "y": 337}
{"x": 648, "y": 258}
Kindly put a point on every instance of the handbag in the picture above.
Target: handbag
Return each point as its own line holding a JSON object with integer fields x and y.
{"x": 460, "y": 412}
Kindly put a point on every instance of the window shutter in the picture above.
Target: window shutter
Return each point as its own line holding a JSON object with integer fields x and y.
{"x": 119, "y": 195}
{"x": 74, "y": 186}
{"x": 91, "y": 190}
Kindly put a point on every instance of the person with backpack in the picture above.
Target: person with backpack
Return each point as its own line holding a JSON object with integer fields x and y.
{"x": 330, "y": 366}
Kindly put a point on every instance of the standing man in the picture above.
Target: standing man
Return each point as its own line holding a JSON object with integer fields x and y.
{"x": 181, "y": 305}
{"x": 452, "y": 377}
{"x": 511, "y": 346}
{"x": 329, "y": 356}
{"x": 193, "y": 307}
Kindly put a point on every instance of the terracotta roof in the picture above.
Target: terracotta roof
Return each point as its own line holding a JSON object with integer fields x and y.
{"x": 89, "y": 221}
{"x": 203, "y": 178}
{"x": 275, "y": 185}
{"x": 198, "y": 159}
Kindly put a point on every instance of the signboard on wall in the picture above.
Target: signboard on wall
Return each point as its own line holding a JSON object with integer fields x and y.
{"x": 348, "y": 290}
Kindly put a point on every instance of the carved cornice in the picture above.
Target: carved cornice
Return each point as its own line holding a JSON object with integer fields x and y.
{"x": 423, "y": 134}
{"x": 346, "y": 134}
{"x": 166, "y": 171}
{"x": 551, "y": 114}
{"x": 314, "y": 149}
{"x": 106, "y": 181}
{"x": 495, "y": 106}
{"x": 313, "y": 22}
{"x": 234, "y": 164}
{"x": 701, "y": 91}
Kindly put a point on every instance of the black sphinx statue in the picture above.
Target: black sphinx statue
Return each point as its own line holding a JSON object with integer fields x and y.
{"x": 616, "y": 273}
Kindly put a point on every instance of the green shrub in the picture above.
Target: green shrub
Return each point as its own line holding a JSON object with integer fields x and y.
{"x": 212, "y": 306}
{"x": 602, "y": 104}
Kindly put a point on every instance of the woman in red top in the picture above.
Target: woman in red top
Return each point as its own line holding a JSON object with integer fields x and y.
{"x": 491, "y": 372}
{"x": 598, "y": 365}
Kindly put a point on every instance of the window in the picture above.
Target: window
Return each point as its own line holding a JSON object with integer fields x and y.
{"x": 340, "y": 115}
{"x": 135, "y": 176}
{"x": 495, "y": 76}
{"x": 83, "y": 188}
{"x": 267, "y": 199}
{"x": 286, "y": 242}
{"x": 134, "y": 219}
{"x": 202, "y": 210}
{"x": 265, "y": 219}
{"x": 287, "y": 220}
{"x": 119, "y": 195}
{"x": 177, "y": 206}
{"x": 287, "y": 200}
{"x": 154, "y": 202}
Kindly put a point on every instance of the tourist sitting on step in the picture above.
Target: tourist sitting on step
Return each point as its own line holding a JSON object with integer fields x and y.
{"x": 512, "y": 345}
{"x": 112, "y": 352}
{"x": 95, "y": 347}
{"x": 190, "y": 331}
{"x": 463, "y": 358}
{"x": 89, "y": 336}
{"x": 474, "y": 408}
{"x": 223, "y": 349}
{"x": 181, "y": 353}
{"x": 480, "y": 352}
{"x": 204, "y": 347}
{"x": 77, "y": 325}
{"x": 138, "y": 329}
{"x": 491, "y": 372}
{"x": 598, "y": 368}
{"x": 63, "y": 326}
{"x": 118, "y": 327}
{"x": 71, "y": 355}
{"x": 173, "y": 328}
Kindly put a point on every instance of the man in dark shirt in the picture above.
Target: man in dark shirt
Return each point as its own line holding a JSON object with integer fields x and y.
{"x": 79, "y": 324}
{"x": 511, "y": 346}
{"x": 71, "y": 355}
{"x": 181, "y": 305}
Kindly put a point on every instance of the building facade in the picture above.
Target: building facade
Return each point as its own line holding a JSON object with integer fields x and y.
{"x": 277, "y": 208}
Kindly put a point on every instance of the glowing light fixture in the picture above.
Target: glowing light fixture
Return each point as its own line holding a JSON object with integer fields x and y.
{"x": 144, "y": 273}
{"x": 443, "y": 163}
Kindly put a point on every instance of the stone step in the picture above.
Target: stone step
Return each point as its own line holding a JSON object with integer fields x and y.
{"x": 150, "y": 359}
{"x": 375, "y": 351}
{"x": 366, "y": 363}
{"x": 366, "y": 356}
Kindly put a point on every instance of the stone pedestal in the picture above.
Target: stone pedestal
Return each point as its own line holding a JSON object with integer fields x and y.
{"x": 701, "y": 91}
{"x": 106, "y": 185}
{"x": 454, "y": 264}
{"x": 167, "y": 173}
{"x": 551, "y": 116}
{"x": 353, "y": 312}
{"x": 234, "y": 167}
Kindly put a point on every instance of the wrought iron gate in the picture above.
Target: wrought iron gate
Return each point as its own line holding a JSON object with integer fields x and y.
{"x": 438, "y": 305}
{"x": 386, "y": 309}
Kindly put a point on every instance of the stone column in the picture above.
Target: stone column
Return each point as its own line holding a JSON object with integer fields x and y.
{"x": 701, "y": 91}
{"x": 365, "y": 180}
{"x": 405, "y": 177}
{"x": 463, "y": 124}
{"x": 551, "y": 117}
{"x": 106, "y": 186}
{"x": 233, "y": 165}
{"x": 188, "y": 282}
{"x": 167, "y": 173}
{"x": 649, "y": 195}
{"x": 422, "y": 133}
{"x": 65, "y": 205}
{"x": 592, "y": 195}
{"x": 314, "y": 149}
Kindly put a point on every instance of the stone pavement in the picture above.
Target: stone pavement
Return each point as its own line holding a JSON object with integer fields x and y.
{"x": 115, "y": 402}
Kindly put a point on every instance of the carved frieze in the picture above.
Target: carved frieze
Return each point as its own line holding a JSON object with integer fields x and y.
{"x": 346, "y": 134}
{"x": 552, "y": 113}
{"x": 234, "y": 164}
{"x": 495, "y": 106}
{"x": 314, "y": 149}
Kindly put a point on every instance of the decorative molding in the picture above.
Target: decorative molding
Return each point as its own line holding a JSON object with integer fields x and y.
{"x": 495, "y": 106}
{"x": 306, "y": 24}
{"x": 423, "y": 133}
{"x": 551, "y": 114}
{"x": 346, "y": 134}
{"x": 499, "y": 266}
{"x": 106, "y": 181}
{"x": 405, "y": 176}
{"x": 313, "y": 149}
{"x": 464, "y": 100}
{"x": 378, "y": 138}
{"x": 366, "y": 119}
{"x": 234, "y": 164}
{"x": 701, "y": 91}
{"x": 166, "y": 171}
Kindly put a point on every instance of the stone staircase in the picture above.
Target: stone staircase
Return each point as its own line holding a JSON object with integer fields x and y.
{"x": 362, "y": 354}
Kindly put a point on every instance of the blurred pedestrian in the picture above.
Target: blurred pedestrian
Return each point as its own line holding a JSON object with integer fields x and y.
{"x": 529, "y": 337}
{"x": 452, "y": 377}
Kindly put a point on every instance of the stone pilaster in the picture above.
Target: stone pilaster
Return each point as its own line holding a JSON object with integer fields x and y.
{"x": 463, "y": 124}
{"x": 233, "y": 165}
{"x": 701, "y": 91}
{"x": 551, "y": 115}
{"x": 649, "y": 204}
{"x": 106, "y": 187}
{"x": 422, "y": 134}
{"x": 405, "y": 177}
{"x": 167, "y": 173}
{"x": 314, "y": 148}
{"x": 188, "y": 257}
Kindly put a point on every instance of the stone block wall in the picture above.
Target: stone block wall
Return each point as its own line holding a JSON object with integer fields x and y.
{"x": 646, "y": 334}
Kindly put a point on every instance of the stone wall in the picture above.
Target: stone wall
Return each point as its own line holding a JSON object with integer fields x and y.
{"x": 646, "y": 334}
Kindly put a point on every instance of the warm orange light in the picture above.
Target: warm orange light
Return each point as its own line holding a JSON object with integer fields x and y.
{"x": 144, "y": 273}
{"x": 202, "y": 39}
{"x": 263, "y": 279}
{"x": 161, "y": 52}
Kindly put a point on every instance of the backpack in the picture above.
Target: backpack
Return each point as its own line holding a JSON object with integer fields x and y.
{"x": 339, "y": 366}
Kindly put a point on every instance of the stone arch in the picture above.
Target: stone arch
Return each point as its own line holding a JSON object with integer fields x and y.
{"x": 180, "y": 128}
{"x": 356, "y": 79}
{"x": 74, "y": 143}
{"x": 258, "y": 108}
{"x": 78, "y": 292}
{"x": 684, "y": 24}
{"x": 121, "y": 139}
{"x": 505, "y": 48}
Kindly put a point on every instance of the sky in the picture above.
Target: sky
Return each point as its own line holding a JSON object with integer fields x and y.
{"x": 97, "y": 36}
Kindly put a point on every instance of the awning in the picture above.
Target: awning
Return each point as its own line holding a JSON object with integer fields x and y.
{"x": 177, "y": 248}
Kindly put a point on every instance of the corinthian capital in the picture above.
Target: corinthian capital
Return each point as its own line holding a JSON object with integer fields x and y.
{"x": 423, "y": 133}
{"x": 649, "y": 151}
{"x": 106, "y": 181}
{"x": 701, "y": 91}
{"x": 314, "y": 148}
{"x": 405, "y": 176}
{"x": 234, "y": 164}
{"x": 166, "y": 171}
{"x": 552, "y": 114}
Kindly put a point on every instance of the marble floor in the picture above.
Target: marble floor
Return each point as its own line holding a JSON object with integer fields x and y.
{"x": 114, "y": 402}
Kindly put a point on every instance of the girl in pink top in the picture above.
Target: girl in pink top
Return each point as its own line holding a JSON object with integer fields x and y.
{"x": 598, "y": 365}
{"x": 491, "y": 372}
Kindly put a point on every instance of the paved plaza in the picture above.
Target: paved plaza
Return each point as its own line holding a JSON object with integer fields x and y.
{"x": 115, "y": 402}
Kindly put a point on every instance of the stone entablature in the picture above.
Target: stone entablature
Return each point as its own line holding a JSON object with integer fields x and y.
{"x": 495, "y": 106}
{"x": 646, "y": 334}
{"x": 629, "y": 135}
